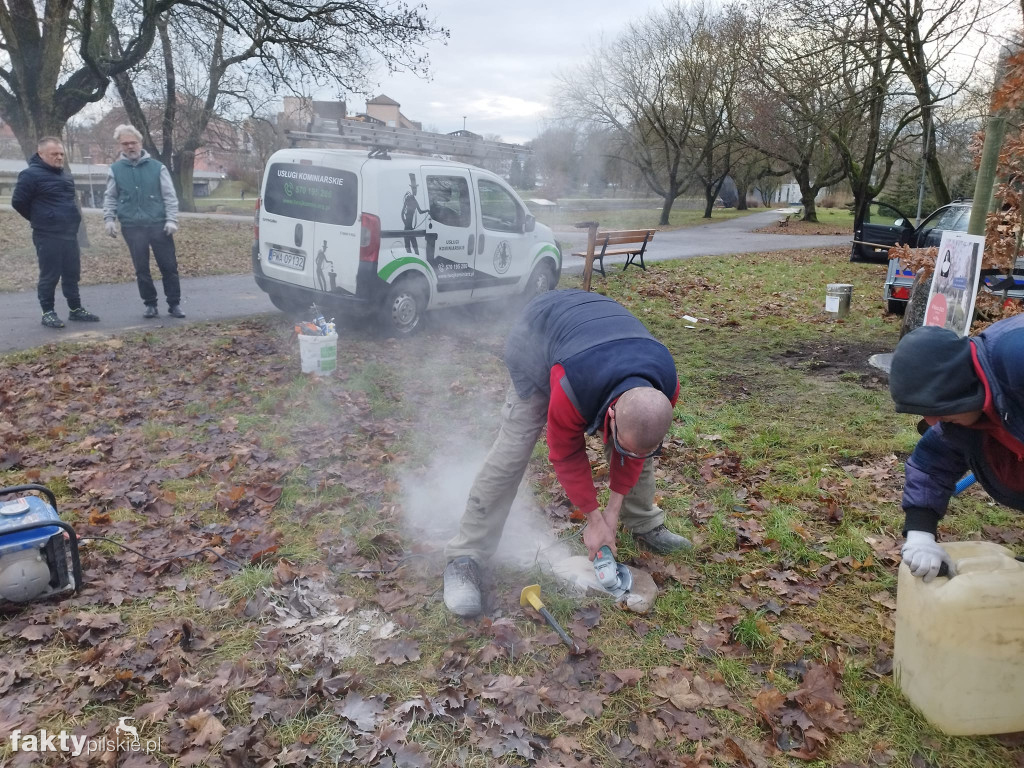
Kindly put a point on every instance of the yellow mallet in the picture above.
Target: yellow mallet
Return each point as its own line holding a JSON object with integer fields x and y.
{"x": 531, "y": 596}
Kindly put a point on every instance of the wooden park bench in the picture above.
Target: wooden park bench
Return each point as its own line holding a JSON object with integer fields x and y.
{"x": 631, "y": 243}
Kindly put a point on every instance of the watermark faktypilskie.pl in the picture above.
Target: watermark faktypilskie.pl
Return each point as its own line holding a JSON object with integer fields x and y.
{"x": 125, "y": 739}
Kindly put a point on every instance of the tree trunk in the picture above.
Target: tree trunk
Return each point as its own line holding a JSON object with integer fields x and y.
{"x": 810, "y": 211}
{"x": 861, "y": 203}
{"x": 666, "y": 208}
{"x": 181, "y": 174}
{"x": 808, "y": 193}
{"x": 741, "y": 192}
{"x": 709, "y": 202}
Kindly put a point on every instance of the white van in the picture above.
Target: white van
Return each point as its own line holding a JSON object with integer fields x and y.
{"x": 390, "y": 237}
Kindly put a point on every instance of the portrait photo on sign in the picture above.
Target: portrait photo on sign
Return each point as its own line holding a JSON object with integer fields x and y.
{"x": 955, "y": 283}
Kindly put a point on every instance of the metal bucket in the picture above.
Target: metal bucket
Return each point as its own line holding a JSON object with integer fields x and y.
{"x": 837, "y": 299}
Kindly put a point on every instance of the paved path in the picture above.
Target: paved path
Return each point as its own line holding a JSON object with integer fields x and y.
{"x": 711, "y": 239}
{"x": 232, "y": 296}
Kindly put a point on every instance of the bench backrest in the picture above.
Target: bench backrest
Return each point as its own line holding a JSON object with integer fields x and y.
{"x": 623, "y": 236}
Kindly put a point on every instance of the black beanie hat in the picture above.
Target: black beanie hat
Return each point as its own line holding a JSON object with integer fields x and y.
{"x": 933, "y": 374}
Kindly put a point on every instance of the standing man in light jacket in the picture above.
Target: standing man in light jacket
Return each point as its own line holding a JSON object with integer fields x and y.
{"x": 141, "y": 195}
{"x": 45, "y": 195}
{"x": 970, "y": 390}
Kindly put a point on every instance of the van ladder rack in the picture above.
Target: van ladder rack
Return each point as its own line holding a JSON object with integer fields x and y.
{"x": 353, "y": 133}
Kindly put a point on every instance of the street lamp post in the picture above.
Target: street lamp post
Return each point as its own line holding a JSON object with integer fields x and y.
{"x": 92, "y": 192}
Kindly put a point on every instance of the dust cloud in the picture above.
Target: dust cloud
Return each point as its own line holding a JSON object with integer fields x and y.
{"x": 434, "y": 499}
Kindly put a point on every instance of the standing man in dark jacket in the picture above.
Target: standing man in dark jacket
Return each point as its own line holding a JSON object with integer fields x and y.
{"x": 141, "y": 195}
{"x": 582, "y": 364}
{"x": 971, "y": 393}
{"x": 45, "y": 195}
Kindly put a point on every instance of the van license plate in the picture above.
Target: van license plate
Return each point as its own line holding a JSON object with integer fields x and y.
{"x": 286, "y": 259}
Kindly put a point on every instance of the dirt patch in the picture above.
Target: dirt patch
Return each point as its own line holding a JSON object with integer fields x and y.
{"x": 833, "y": 361}
{"x": 796, "y": 227}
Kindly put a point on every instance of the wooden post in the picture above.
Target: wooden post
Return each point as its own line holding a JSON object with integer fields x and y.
{"x": 588, "y": 264}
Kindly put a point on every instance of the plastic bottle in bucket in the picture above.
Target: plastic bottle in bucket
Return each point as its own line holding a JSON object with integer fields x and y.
{"x": 959, "y": 649}
{"x": 318, "y": 344}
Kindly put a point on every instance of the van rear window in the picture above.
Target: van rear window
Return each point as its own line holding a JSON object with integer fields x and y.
{"x": 311, "y": 192}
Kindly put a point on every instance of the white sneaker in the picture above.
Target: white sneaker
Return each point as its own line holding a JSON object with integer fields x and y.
{"x": 462, "y": 587}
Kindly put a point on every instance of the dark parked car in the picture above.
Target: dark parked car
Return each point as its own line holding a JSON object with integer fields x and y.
{"x": 899, "y": 288}
{"x": 886, "y": 227}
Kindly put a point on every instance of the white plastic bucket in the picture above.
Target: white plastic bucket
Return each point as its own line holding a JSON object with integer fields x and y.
{"x": 319, "y": 354}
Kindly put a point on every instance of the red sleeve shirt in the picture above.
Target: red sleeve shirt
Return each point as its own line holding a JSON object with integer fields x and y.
{"x": 567, "y": 450}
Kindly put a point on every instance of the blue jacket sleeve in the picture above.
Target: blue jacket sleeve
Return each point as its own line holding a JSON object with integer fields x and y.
{"x": 21, "y": 198}
{"x": 932, "y": 472}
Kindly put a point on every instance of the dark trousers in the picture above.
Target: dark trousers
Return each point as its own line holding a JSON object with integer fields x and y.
{"x": 140, "y": 240}
{"x": 59, "y": 260}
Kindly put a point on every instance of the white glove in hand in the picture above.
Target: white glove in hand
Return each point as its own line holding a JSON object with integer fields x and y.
{"x": 170, "y": 228}
{"x": 923, "y": 555}
{"x": 111, "y": 228}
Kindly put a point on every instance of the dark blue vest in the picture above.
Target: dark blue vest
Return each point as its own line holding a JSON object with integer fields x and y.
{"x": 603, "y": 348}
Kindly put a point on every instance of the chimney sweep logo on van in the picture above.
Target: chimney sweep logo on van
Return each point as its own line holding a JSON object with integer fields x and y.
{"x": 303, "y": 176}
{"x": 125, "y": 739}
{"x": 502, "y": 258}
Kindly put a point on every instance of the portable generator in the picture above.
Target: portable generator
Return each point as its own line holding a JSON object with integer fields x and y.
{"x": 38, "y": 551}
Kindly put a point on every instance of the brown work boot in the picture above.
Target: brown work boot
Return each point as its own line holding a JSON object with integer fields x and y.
{"x": 663, "y": 541}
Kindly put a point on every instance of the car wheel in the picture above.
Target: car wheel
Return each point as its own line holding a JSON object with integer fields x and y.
{"x": 542, "y": 280}
{"x": 913, "y": 315}
{"x": 287, "y": 304}
{"x": 403, "y": 307}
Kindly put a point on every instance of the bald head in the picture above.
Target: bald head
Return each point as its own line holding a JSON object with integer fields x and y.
{"x": 643, "y": 416}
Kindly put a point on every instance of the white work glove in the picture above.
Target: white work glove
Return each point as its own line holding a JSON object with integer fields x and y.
{"x": 170, "y": 228}
{"x": 111, "y": 228}
{"x": 923, "y": 555}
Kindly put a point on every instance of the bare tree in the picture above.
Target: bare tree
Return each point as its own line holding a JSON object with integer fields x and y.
{"x": 708, "y": 67}
{"x": 872, "y": 106}
{"x": 784, "y": 111}
{"x": 636, "y": 95}
{"x": 555, "y": 155}
{"x": 922, "y": 37}
{"x": 217, "y": 61}
{"x": 56, "y": 57}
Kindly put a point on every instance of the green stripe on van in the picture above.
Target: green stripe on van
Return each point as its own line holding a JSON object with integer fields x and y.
{"x": 554, "y": 252}
{"x": 397, "y": 264}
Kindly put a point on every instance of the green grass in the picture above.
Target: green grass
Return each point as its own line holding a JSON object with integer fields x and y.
{"x": 757, "y": 474}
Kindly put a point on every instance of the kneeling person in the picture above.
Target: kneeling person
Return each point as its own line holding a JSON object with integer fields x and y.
{"x": 970, "y": 391}
{"x": 580, "y": 363}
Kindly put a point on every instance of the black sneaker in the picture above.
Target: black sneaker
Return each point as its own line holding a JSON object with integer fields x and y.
{"x": 175, "y": 311}
{"x": 82, "y": 315}
{"x": 462, "y": 587}
{"x": 150, "y": 312}
{"x": 50, "y": 320}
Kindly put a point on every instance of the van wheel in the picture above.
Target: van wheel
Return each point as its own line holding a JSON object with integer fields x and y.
{"x": 542, "y": 280}
{"x": 402, "y": 311}
{"x": 287, "y": 304}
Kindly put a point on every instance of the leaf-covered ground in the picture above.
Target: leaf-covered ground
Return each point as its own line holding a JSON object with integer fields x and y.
{"x": 281, "y": 600}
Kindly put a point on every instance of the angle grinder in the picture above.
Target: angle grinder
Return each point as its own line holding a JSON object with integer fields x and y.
{"x": 615, "y": 577}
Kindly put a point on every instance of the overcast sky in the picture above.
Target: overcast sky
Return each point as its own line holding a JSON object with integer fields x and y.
{"x": 499, "y": 66}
